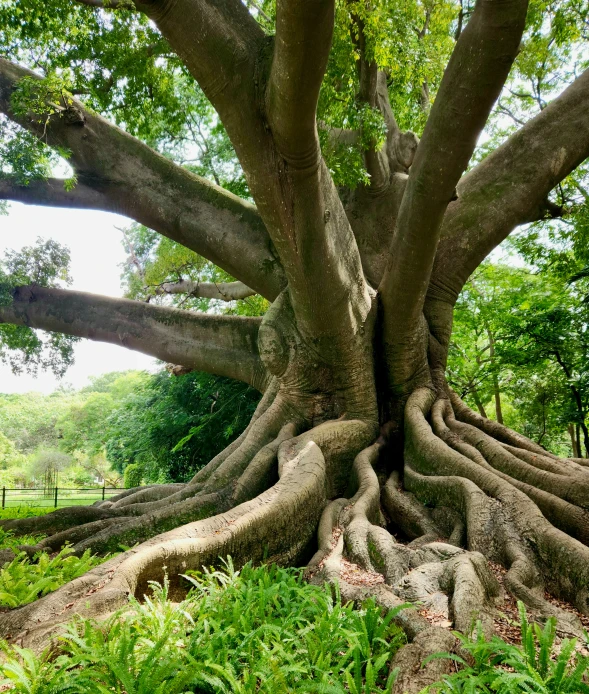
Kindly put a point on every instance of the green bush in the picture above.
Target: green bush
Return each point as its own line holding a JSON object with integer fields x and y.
{"x": 132, "y": 476}
{"x": 261, "y": 630}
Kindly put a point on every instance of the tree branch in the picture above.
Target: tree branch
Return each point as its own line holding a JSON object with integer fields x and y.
{"x": 52, "y": 192}
{"x": 223, "y": 291}
{"x": 132, "y": 179}
{"x": 472, "y": 82}
{"x": 225, "y": 50}
{"x": 109, "y": 4}
{"x": 510, "y": 187}
{"x": 228, "y": 54}
{"x": 223, "y": 345}
{"x": 303, "y": 41}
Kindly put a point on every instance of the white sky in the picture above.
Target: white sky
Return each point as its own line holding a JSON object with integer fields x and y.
{"x": 96, "y": 253}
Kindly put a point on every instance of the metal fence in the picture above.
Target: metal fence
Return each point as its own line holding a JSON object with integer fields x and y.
{"x": 55, "y": 496}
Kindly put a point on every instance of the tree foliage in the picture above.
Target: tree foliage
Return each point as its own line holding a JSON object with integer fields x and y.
{"x": 163, "y": 427}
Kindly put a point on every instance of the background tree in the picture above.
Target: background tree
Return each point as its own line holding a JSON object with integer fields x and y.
{"x": 539, "y": 356}
{"x": 358, "y": 233}
{"x": 168, "y": 426}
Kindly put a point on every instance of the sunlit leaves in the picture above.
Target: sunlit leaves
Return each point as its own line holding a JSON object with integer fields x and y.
{"x": 538, "y": 326}
{"x": 24, "y": 349}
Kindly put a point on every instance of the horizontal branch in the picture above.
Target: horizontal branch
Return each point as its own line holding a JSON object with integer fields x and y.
{"x": 222, "y": 345}
{"x": 133, "y": 180}
{"x": 52, "y": 193}
{"x": 223, "y": 291}
{"x": 510, "y": 187}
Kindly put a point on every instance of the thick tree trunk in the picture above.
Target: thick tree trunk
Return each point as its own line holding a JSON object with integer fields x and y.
{"x": 358, "y": 456}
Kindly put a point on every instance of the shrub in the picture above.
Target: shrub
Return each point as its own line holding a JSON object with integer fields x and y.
{"x": 132, "y": 475}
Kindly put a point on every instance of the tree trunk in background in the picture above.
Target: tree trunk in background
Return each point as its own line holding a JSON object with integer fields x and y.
{"x": 574, "y": 442}
{"x": 479, "y": 404}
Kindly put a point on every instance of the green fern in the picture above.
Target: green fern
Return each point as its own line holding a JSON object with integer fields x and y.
{"x": 24, "y": 580}
{"x": 538, "y": 666}
{"x": 259, "y": 630}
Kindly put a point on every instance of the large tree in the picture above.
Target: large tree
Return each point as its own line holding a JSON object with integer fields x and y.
{"x": 356, "y": 414}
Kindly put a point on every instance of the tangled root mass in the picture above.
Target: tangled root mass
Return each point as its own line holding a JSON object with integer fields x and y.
{"x": 468, "y": 493}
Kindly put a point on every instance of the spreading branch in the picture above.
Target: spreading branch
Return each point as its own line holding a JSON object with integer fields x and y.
{"x": 223, "y": 291}
{"x": 131, "y": 179}
{"x": 488, "y": 46}
{"x": 511, "y": 186}
{"x": 53, "y": 192}
{"x": 222, "y": 345}
{"x": 224, "y": 49}
{"x": 303, "y": 41}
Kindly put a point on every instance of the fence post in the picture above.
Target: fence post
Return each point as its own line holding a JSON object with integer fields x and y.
{"x": 3, "y": 498}
{"x": 103, "y": 490}
{"x": 55, "y": 505}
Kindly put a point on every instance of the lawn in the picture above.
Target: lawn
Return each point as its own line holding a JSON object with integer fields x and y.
{"x": 35, "y": 498}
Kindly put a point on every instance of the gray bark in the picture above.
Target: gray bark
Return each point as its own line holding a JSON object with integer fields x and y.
{"x": 223, "y": 345}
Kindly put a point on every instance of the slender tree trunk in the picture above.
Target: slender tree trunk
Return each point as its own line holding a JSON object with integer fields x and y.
{"x": 574, "y": 443}
{"x": 479, "y": 404}
{"x": 578, "y": 403}
{"x": 495, "y": 378}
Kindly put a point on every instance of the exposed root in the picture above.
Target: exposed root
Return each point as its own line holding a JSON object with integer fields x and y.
{"x": 277, "y": 526}
{"x": 59, "y": 520}
{"x": 142, "y": 513}
{"x": 524, "y": 539}
{"x": 494, "y": 429}
{"x": 463, "y": 499}
{"x": 451, "y": 585}
{"x": 411, "y": 517}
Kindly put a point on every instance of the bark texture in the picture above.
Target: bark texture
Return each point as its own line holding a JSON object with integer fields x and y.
{"x": 359, "y": 459}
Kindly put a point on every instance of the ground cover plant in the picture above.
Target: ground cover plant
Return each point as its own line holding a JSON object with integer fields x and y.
{"x": 258, "y": 630}
{"x": 265, "y": 630}
{"x": 318, "y": 160}
{"x": 541, "y": 664}
{"x": 25, "y": 578}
